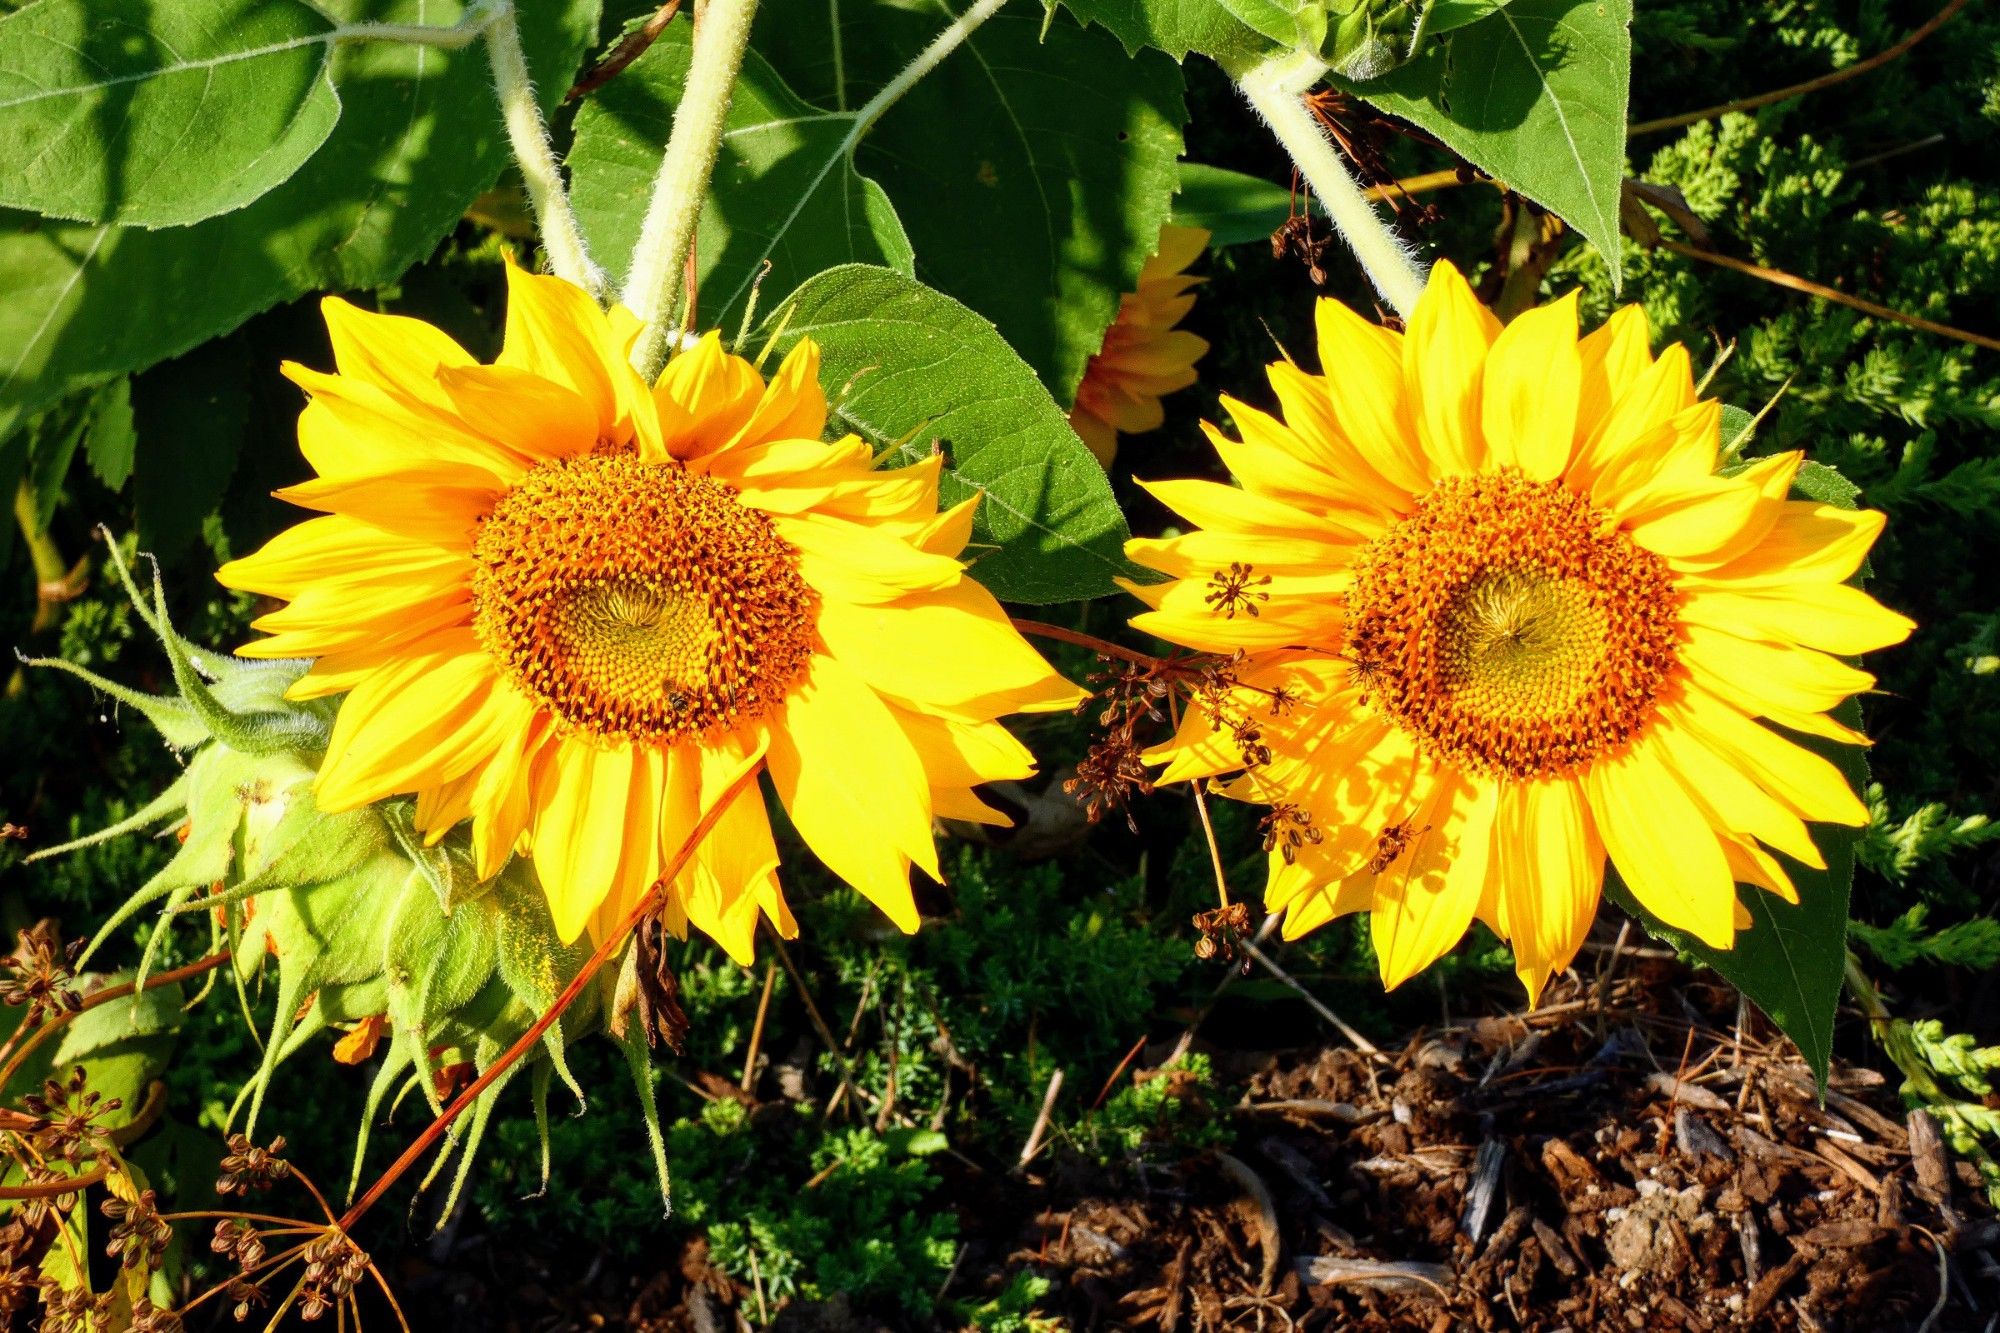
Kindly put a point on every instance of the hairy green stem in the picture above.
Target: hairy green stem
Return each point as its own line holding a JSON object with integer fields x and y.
{"x": 666, "y": 238}
{"x": 562, "y": 239}
{"x": 651, "y": 350}
{"x": 926, "y": 60}
{"x": 448, "y": 37}
{"x": 1276, "y": 89}
{"x": 51, "y": 574}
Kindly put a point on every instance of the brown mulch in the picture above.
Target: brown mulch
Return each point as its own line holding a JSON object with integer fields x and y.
{"x": 1636, "y": 1164}
{"x": 1626, "y": 1157}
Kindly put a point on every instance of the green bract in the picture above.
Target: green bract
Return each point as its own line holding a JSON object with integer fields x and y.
{"x": 347, "y": 918}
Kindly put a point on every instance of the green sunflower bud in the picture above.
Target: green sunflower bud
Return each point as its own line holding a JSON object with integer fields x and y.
{"x": 1366, "y": 39}
{"x": 368, "y": 927}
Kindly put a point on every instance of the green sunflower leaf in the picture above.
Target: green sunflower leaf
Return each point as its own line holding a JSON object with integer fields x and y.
{"x": 1448, "y": 15}
{"x": 418, "y": 139}
{"x": 1536, "y": 97}
{"x": 1176, "y": 27}
{"x": 154, "y": 115}
{"x": 908, "y": 367}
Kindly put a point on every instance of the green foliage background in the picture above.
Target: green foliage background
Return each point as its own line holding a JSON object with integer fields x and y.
{"x": 1882, "y": 188}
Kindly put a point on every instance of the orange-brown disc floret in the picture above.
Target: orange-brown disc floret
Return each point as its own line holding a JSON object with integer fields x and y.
{"x": 1510, "y": 627}
{"x": 638, "y": 602}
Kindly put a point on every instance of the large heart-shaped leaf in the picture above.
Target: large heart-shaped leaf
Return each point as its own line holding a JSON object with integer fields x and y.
{"x": 1536, "y": 97}
{"x": 418, "y": 139}
{"x": 158, "y": 115}
{"x": 1028, "y": 175}
{"x": 785, "y": 189}
{"x": 1034, "y": 171}
{"x": 910, "y": 367}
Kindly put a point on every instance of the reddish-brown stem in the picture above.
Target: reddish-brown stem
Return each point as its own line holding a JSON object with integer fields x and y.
{"x": 105, "y": 996}
{"x": 630, "y": 49}
{"x": 527, "y": 1041}
{"x": 1102, "y": 647}
{"x": 313, "y": 1190}
{"x": 388, "y": 1296}
{"x": 268, "y": 1270}
{"x": 1112, "y": 1082}
{"x": 49, "y": 1190}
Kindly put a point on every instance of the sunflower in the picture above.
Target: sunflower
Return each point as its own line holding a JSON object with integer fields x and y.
{"x": 1144, "y": 357}
{"x": 1500, "y": 616}
{"x": 576, "y": 611}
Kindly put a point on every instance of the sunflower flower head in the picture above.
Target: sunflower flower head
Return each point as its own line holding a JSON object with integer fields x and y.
{"x": 1520, "y": 623}
{"x": 1145, "y": 355}
{"x": 576, "y": 609}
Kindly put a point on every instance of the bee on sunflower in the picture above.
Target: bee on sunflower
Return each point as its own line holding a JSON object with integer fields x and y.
{"x": 1522, "y": 624}
{"x": 576, "y": 609}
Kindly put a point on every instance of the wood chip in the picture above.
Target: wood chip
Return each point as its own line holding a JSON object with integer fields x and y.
{"x": 1927, "y": 1155}
{"x": 1268, "y": 1237}
{"x": 1376, "y": 1275}
{"x": 1482, "y": 1196}
{"x": 1767, "y": 1288}
{"x": 1750, "y": 1240}
{"x": 1311, "y": 1108}
{"x": 1852, "y": 1169}
{"x": 1685, "y": 1093}
{"x": 1694, "y": 1138}
{"x": 1297, "y": 1167}
{"x": 1846, "y": 1234}
{"x": 1555, "y": 1251}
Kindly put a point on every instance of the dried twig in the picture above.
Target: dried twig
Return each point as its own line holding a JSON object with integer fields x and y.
{"x": 1034, "y": 1143}
{"x": 635, "y": 44}
{"x": 1780, "y": 278}
{"x": 1823, "y": 82}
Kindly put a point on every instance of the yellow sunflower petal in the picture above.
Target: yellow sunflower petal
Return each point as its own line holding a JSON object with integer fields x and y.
{"x": 557, "y": 331}
{"x": 1528, "y": 399}
{"x": 424, "y": 717}
{"x": 950, "y": 649}
{"x": 538, "y": 416}
{"x": 1612, "y": 356}
{"x": 393, "y": 352}
{"x": 703, "y": 398}
{"x": 501, "y": 795}
{"x": 1833, "y": 618}
{"x": 1639, "y": 406}
{"x": 1424, "y": 901}
{"x": 792, "y": 406}
{"x": 1811, "y": 786}
{"x": 1552, "y": 867}
{"x": 1730, "y": 798}
{"x": 854, "y": 787}
{"x": 1805, "y": 543}
{"x": 1363, "y": 365}
{"x": 639, "y": 863}
{"x": 578, "y": 829}
{"x": 1444, "y": 363}
{"x": 1663, "y": 847}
